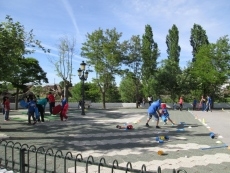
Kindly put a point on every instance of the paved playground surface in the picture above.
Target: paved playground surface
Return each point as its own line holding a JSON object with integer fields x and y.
{"x": 189, "y": 146}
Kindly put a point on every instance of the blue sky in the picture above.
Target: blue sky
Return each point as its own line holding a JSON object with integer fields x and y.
{"x": 53, "y": 19}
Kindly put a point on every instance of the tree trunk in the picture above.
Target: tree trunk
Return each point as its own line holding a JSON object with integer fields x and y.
{"x": 66, "y": 89}
{"x": 103, "y": 100}
{"x": 137, "y": 95}
{"x": 16, "y": 98}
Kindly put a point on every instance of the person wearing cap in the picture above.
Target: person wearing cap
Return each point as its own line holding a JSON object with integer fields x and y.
{"x": 153, "y": 111}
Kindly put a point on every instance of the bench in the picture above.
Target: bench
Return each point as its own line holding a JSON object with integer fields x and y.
{"x": 87, "y": 103}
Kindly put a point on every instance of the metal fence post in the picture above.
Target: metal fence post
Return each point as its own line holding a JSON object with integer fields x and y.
{"x": 22, "y": 160}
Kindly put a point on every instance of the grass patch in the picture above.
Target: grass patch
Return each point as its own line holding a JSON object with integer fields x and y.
{"x": 25, "y": 118}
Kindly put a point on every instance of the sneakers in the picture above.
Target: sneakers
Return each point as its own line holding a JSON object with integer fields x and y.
{"x": 157, "y": 127}
{"x": 165, "y": 123}
{"x": 147, "y": 125}
{"x": 173, "y": 124}
{"x": 34, "y": 122}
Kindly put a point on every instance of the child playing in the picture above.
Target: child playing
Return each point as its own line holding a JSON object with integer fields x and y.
{"x": 128, "y": 127}
{"x": 164, "y": 114}
{"x": 31, "y": 111}
{"x": 64, "y": 109}
{"x": 6, "y": 104}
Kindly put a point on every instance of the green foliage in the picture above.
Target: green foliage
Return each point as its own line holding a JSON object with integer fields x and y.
{"x": 172, "y": 42}
{"x": 28, "y": 70}
{"x": 104, "y": 52}
{"x": 211, "y": 68}
{"x": 14, "y": 44}
{"x": 91, "y": 92}
{"x": 198, "y": 38}
{"x": 127, "y": 89}
{"x": 113, "y": 94}
{"x": 5, "y": 87}
{"x": 134, "y": 61}
{"x": 169, "y": 72}
{"x": 149, "y": 54}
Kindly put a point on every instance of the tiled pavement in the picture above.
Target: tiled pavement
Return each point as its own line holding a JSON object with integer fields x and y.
{"x": 189, "y": 146}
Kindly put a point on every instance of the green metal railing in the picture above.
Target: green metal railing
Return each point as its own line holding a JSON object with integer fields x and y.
{"x": 23, "y": 158}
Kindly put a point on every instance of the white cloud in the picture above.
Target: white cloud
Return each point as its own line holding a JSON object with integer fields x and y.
{"x": 72, "y": 17}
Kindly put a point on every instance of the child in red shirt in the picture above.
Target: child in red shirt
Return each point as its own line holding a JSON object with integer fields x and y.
{"x": 51, "y": 99}
{"x": 6, "y": 104}
{"x": 181, "y": 103}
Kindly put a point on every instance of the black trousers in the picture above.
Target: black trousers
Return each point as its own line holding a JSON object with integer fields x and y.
{"x": 41, "y": 111}
{"x": 52, "y": 105}
{"x": 31, "y": 114}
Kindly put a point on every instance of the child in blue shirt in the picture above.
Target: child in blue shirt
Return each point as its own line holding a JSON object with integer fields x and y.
{"x": 194, "y": 104}
{"x": 208, "y": 104}
{"x": 165, "y": 115}
{"x": 31, "y": 111}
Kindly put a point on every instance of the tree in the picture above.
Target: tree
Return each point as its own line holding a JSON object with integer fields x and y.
{"x": 128, "y": 88}
{"x": 198, "y": 38}
{"x": 149, "y": 54}
{"x": 91, "y": 92}
{"x": 113, "y": 94}
{"x": 15, "y": 43}
{"x": 104, "y": 52}
{"x": 172, "y": 42}
{"x": 64, "y": 63}
{"x": 134, "y": 62}
{"x": 27, "y": 71}
{"x": 168, "y": 74}
{"x": 212, "y": 65}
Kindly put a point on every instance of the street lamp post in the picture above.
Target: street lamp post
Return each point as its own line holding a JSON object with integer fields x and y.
{"x": 83, "y": 75}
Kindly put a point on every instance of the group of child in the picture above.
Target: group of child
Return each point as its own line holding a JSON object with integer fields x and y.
{"x": 36, "y": 108}
{"x": 157, "y": 110}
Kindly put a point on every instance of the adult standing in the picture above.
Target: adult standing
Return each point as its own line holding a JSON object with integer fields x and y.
{"x": 153, "y": 111}
{"x": 181, "y": 101}
{"x": 208, "y": 104}
{"x": 41, "y": 104}
{"x": 51, "y": 102}
{"x": 3, "y": 109}
{"x": 150, "y": 100}
{"x": 194, "y": 104}
{"x": 143, "y": 101}
{"x": 6, "y": 104}
{"x": 202, "y": 103}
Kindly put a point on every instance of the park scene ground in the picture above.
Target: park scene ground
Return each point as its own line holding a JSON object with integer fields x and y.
{"x": 189, "y": 146}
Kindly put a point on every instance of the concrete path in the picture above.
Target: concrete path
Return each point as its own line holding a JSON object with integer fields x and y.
{"x": 217, "y": 122}
{"x": 189, "y": 146}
